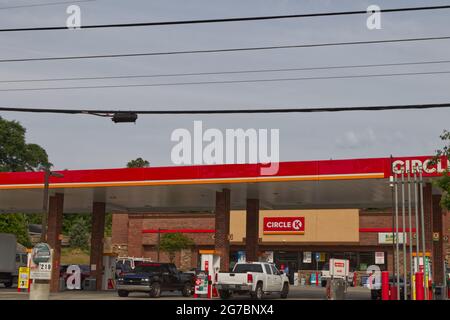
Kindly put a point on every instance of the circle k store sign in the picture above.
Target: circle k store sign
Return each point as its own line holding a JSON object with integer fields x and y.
{"x": 284, "y": 225}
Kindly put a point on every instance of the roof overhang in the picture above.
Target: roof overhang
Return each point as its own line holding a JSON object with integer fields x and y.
{"x": 348, "y": 183}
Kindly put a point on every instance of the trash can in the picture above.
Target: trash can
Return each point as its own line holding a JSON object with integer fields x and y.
{"x": 90, "y": 284}
{"x": 62, "y": 284}
{"x": 337, "y": 289}
{"x": 439, "y": 293}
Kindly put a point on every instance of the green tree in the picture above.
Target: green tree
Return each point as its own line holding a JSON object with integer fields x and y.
{"x": 16, "y": 223}
{"x": 15, "y": 153}
{"x": 34, "y": 218}
{"x": 171, "y": 243}
{"x": 138, "y": 163}
{"x": 79, "y": 235}
{"x": 108, "y": 224}
{"x": 444, "y": 181}
{"x": 71, "y": 218}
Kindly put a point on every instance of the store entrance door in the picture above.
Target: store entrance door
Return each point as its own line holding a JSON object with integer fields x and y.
{"x": 287, "y": 259}
{"x": 292, "y": 268}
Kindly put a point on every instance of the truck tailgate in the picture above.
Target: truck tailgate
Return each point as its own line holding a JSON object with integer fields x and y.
{"x": 232, "y": 278}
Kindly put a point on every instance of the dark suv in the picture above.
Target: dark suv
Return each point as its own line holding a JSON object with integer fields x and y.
{"x": 153, "y": 278}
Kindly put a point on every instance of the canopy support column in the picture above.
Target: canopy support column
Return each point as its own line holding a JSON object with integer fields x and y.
{"x": 222, "y": 224}
{"x": 54, "y": 233}
{"x": 97, "y": 235}
{"x": 252, "y": 230}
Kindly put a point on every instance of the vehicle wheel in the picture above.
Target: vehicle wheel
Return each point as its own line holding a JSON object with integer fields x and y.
{"x": 123, "y": 293}
{"x": 8, "y": 284}
{"x": 285, "y": 291}
{"x": 258, "y": 294}
{"x": 187, "y": 290}
{"x": 156, "y": 290}
{"x": 224, "y": 294}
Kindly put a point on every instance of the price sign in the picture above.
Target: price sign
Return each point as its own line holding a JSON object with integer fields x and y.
{"x": 24, "y": 275}
{"x": 41, "y": 262}
{"x": 45, "y": 266}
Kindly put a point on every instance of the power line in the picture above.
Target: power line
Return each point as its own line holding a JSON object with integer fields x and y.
{"x": 164, "y": 111}
{"x": 205, "y": 51}
{"x": 227, "y": 81}
{"x": 130, "y": 76}
{"x": 239, "y": 19}
{"x": 46, "y": 4}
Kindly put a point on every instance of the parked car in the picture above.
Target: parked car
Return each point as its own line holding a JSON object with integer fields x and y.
{"x": 254, "y": 278}
{"x": 127, "y": 264}
{"x": 195, "y": 271}
{"x": 153, "y": 278}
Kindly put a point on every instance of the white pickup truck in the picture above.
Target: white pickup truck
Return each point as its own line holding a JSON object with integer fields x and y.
{"x": 254, "y": 278}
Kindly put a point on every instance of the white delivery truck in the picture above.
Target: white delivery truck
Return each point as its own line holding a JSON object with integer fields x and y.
{"x": 8, "y": 271}
{"x": 254, "y": 278}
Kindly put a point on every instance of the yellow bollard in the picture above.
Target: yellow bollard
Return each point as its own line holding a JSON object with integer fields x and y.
{"x": 413, "y": 286}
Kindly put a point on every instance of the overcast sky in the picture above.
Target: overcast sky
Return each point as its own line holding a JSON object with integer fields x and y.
{"x": 79, "y": 142}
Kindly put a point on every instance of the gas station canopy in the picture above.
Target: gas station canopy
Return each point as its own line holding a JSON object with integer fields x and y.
{"x": 350, "y": 183}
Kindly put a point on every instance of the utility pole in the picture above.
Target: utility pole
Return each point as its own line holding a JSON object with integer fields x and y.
{"x": 47, "y": 175}
{"x": 45, "y": 206}
{"x": 397, "y": 248}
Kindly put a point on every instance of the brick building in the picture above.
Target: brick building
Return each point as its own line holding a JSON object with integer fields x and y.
{"x": 354, "y": 234}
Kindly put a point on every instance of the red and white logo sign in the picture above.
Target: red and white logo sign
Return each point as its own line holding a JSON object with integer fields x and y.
{"x": 339, "y": 267}
{"x": 284, "y": 225}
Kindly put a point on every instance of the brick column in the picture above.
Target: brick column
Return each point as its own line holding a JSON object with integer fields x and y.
{"x": 438, "y": 246}
{"x": 135, "y": 227}
{"x": 222, "y": 223}
{"x": 252, "y": 227}
{"x": 54, "y": 230}
{"x": 97, "y": 235}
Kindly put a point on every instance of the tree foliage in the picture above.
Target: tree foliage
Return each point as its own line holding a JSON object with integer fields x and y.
{"x": 444, "y": 181}
{"x": 16, "y": 223}
{"x": 15, "y": 153}
{"x": 79, "y": 235}
{"x": 138, "y": 163}
{"x": 171, "y": 243}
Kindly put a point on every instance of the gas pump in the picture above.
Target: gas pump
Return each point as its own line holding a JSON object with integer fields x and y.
{"x": 109, "y": 274}
{"x": 210, "y": 263}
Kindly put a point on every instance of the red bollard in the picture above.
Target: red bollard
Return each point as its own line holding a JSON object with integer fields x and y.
{"x": 393, "y": 295}
{"x": 430, "y": 290}
{"x": 317, "y": 279}
{"x": 385, "y": 285}
{"x": 420, "y": 294}
{"x": 355, "y": 278}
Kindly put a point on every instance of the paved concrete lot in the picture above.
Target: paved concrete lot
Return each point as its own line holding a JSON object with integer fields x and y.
{"x": 296, "y": 293}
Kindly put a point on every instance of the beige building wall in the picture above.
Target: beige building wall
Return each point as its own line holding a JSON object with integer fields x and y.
{"x": 238, "y": 224}
{"x": 327, "y": 226}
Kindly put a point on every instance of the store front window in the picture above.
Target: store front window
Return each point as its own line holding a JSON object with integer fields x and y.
{"x": 317, "y": 261}
{"x": 359, "y": 261}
